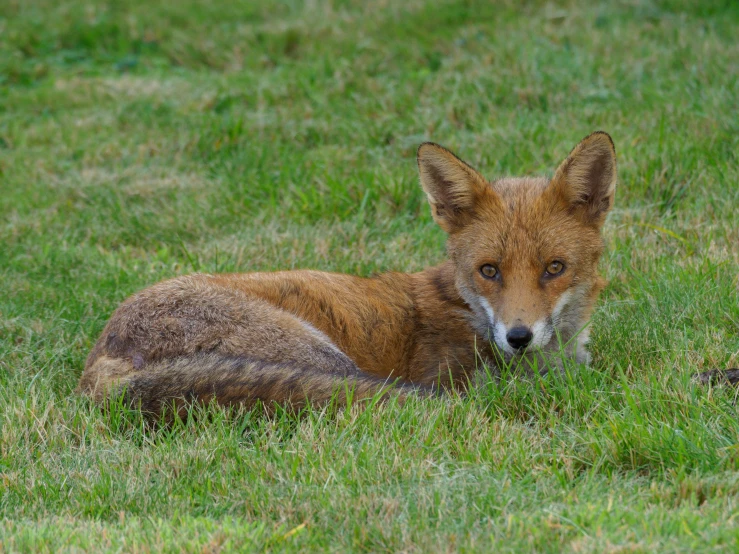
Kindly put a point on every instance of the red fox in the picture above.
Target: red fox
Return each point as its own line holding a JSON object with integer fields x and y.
{"x": 520, "y": 284}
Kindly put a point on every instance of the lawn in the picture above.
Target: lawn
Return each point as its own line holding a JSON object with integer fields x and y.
{"x": 141, "y": 140}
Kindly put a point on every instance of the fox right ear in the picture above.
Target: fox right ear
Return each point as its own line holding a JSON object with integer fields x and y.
{"x": 452, "y": 186}
{"x": 586, "y": 180}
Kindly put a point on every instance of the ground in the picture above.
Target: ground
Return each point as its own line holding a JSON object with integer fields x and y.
{"x": 147, "y": 139}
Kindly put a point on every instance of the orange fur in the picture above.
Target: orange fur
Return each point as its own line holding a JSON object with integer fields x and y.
{"x": 297, "y": 336}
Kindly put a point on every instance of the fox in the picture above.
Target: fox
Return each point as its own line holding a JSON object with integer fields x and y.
{"x": 519, "y": 286}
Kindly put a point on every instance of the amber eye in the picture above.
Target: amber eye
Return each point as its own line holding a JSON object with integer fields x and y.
{"x": 555, "y": 268}
{"x": 489, "y": 271}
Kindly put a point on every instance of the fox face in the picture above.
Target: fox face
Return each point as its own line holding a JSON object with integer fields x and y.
{"x": 526, "y": 250}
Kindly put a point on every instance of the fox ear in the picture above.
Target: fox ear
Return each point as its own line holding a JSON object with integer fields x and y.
{"x": 452, "y": 186}
{"x": 586, "y": 180}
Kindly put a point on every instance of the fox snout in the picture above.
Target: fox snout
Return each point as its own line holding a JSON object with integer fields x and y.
{"x": 515, "y": 337}
{"x": 519, "y": 337}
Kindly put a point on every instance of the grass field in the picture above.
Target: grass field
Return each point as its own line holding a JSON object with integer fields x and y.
{"x": 145, "y": 139}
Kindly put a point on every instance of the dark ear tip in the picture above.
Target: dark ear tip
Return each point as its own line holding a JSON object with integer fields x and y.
{"x": 600, "y": 136}
{"x": 426, "y": 145}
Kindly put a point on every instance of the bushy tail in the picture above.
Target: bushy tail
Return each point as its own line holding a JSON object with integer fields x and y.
{"x": 159, "y": 387}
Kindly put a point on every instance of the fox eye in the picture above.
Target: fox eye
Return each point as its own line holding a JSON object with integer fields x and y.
{"x": 555, "y": 268}
{"x": 489, "y": 271}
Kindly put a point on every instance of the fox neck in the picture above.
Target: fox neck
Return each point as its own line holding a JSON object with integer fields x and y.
{"x": 447, "y": 339}
{"x": 439, "y": 296}
{"x": 437, "y": 285}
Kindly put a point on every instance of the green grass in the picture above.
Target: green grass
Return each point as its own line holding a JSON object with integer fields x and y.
{"x": 145, "y": 139}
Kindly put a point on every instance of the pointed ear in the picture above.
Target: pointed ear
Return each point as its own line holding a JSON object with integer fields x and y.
{"x": 452, "y": 187}
{"x": 586, "y": 180}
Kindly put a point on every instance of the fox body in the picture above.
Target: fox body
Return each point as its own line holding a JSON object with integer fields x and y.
{"x": 519, "y": 285}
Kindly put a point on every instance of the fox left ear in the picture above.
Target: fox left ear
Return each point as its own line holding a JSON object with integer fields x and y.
{"x": 453, "y": 188}
{"x": 586, "y": 180}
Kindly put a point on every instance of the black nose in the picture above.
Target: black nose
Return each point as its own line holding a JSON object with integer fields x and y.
{"x": 519, "y": 337}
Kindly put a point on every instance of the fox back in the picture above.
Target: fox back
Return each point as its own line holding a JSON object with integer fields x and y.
{"x": 518, "y": 288}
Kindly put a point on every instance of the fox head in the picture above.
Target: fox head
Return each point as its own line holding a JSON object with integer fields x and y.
{"x": 526, "y": 250}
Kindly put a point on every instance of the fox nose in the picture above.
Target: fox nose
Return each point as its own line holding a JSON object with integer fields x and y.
{"x": 519, "y": 337}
